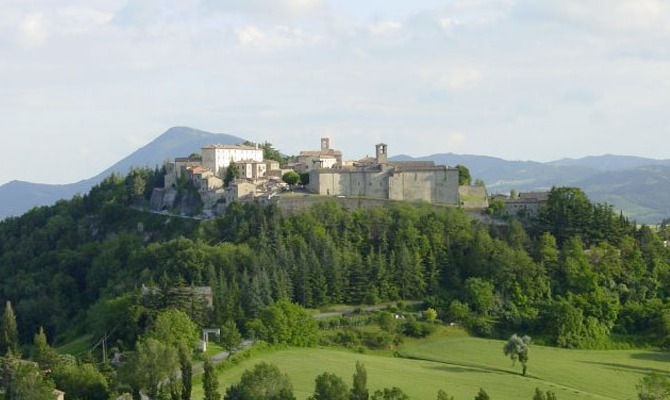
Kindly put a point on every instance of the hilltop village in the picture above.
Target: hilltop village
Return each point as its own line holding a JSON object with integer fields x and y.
{"x": 211, "y": 180}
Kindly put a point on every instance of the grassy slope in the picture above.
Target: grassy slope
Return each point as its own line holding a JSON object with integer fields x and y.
{"x": 609, "y": 373}
{"x": 464, "y": 364}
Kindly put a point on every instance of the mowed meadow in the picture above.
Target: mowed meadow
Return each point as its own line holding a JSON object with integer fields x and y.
{"x": 459, "y": 364}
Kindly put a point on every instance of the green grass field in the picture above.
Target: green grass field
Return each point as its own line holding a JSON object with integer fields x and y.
{"x": 460, "y": 365}
{"x": 77, "y": 346}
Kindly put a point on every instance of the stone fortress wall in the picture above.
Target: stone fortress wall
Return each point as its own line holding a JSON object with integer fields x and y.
{"x": 381, "y": 179}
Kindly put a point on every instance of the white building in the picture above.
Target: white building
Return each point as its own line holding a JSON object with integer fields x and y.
{"x": 218, "y": 157}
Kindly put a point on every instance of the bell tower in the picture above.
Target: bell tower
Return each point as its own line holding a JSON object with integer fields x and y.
{"x": 381, "y": 153}
{"x": 325, "y": 143}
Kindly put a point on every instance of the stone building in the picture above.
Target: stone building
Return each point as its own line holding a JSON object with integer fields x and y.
{"x": 174, "y": 170}
{"x": 318, "y": 159}
{"x": 379, "y": 178}
{"x": 218, "y": 157}
{"x": 249, "y": 169}
{"x": 239, "y": 190}
{"x": 525, "y": 203}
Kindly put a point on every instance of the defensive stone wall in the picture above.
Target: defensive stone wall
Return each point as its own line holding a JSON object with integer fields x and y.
{"x": 434, "y": 185}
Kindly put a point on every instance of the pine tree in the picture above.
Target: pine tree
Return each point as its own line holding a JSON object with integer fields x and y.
{"x": 9, "y": 335}
{"x": 210, "y": 383}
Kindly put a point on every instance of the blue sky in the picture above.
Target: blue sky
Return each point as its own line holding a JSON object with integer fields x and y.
{"x": 84, "y": 83}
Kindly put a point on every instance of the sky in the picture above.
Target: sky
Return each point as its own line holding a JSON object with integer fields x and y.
{"x": 84, "y": 83}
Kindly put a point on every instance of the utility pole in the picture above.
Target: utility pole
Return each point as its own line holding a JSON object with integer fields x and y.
{"x": 104, "y": 348}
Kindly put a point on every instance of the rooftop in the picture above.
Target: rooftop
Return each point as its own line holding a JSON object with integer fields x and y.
{"x": 230, "y": 147}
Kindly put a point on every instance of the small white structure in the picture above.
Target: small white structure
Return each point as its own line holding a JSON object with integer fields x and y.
{"x": 218, "y": 157}
{"x": 205, "y": 337}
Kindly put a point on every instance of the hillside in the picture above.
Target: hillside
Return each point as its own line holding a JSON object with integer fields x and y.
{"x": 17, "y": 197}
{"x": 640, "y": 187}
{"x": 460, "y": 365}
{"x": 610, "y": 162}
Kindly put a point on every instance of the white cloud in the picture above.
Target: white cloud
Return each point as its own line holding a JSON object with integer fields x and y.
{"x": 448, "y": 23}
{"x": 78, "y": 20}
{"x": 455, "y": 140}
{"x": 500, "y": 71}
{"x": 384, "y": 27}
{"x": 275, "y": 38}
{"x": 32, "y": 31}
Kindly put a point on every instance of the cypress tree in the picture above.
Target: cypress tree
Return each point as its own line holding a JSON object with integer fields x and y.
{"x": 359, "y": 390}
{"x": 210, "y": 383}
{"x": 186, "y": 373}
{"x": 9, "y": 334}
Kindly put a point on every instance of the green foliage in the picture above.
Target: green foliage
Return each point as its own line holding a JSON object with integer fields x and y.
{"x": 418, "y": 329}
{"x": 463, "y": 175}
{"x": 330, "y": 387}
{"x": 359, "y": 388}
{"x": 152, "y": 363}
{"x": 210, "y": 382}
{"x": 81, "y": 382}
{"x": 304, "y": 178}
{"x": 291, "y": 177}
{"x": 9, "y": 335}
{"x": 285, "y": 322}
{"x": 43, "y": 354}
{"x": 654, "y": 387}
{"x": 431, "y": 314}
{"x": 479, "y": 294}
{"x": 516, "y": 348}
{"x": 232, "y": 173}
{"x": 269, "y": 152}
{"x": 442, "y": 395}
{"x": 482, "y": 395}
{"x": 174, "y": 327}
{"x": 393, "y": 393}
{"x": 23, "y": 380}
{"x": 230, "y": 336}
{"x": 186, "y": 367}
{"x": 75, "y": 267}
{"x": 264, "y": 381}
{"x": 540, "y": 395}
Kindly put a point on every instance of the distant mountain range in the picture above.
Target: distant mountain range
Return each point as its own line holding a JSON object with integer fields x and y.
{"x": 17, "y": 197}
{"x": 638, "y": 186}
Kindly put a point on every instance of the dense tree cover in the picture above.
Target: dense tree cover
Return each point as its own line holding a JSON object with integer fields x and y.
{"x": 573, "y": 277}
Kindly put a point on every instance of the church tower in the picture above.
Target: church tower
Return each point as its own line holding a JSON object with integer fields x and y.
{"x": 381, "y": 153}
{"x": 325, "y": 144}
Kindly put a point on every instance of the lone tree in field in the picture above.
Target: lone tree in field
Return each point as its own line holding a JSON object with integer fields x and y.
{"x": 517, "y": 349}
